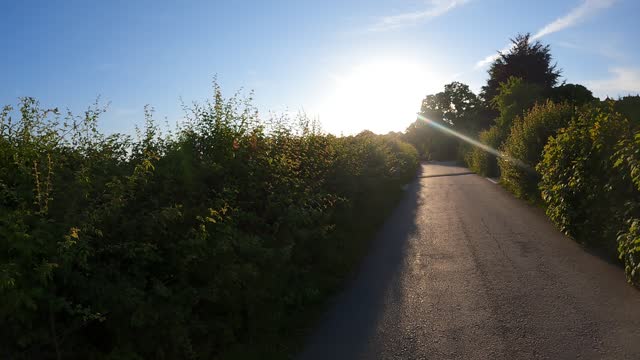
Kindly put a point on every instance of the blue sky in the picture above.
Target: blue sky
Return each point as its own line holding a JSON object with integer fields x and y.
{"x": 352, "y": 64}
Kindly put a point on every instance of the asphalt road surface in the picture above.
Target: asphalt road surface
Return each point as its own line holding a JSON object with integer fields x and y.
{"x": 464, "y": 270}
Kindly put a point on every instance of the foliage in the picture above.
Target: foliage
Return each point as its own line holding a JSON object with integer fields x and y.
{"x": 584, "y": 192}
{"x": 514, "y": 99}
{"x": 526, "y": 142}
{"x": 481, "y": 161}
{"x": 431, "y": 142}
{"x": 530, "y": 61}
{"x": 574, "y": 94}
{"x": 628, "y": 162}
{"x": 629, "y": 106}
{"x": 629, "y": 251}
{"x": 456, "y": 106}
{"x": 212, "y": 241}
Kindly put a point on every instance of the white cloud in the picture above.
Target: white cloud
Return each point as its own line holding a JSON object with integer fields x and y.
{"x": 623, "y": 81}
{"x": 574, "y": 17}
{"x": 435, "y": 8}
{"x": 586, "y": 9}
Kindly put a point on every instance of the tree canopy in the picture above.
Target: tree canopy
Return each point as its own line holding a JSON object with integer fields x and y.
{"x": 456, "y": 106}
{"x": 527, "y": 60}
{"x": 575, "y": 94}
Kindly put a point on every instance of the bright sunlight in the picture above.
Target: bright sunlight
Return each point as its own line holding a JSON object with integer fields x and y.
{"x": 377, "y": 95}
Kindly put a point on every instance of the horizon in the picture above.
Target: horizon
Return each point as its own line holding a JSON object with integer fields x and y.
{"x": 333, "y": 66}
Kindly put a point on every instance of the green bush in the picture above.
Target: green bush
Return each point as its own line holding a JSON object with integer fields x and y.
{"x": 464, "y": 153}
{"x": 213, "y": 241}
{"x": 481, "y": 161}
{"x": 584, "y": 193}
{"x": 629, "y": 251}
{"x": 628, "y": 162}
{"x": 514, "y": 99}
{"x": 526, "y": 142}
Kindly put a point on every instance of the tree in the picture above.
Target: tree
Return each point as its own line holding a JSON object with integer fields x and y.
{"x": 457, "y": 106}
{"x": 574, "y": 94}
{"x": 629, "y": 106}
{"x": 431, "y": 143}
{"x": 530, "y": 61}
{"x": 514, "y": 98}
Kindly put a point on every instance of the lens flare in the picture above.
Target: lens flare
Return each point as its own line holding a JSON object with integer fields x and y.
{"x": 475, "y": 143}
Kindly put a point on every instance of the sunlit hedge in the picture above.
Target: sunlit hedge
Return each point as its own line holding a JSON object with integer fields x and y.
{"x": 628, "y": 163}
{"x": 525, "y": 143}
{"x": 212, "y": 241}
{"x": 479, "y": 160}
{"x": 514, "y": 99}
{"x": 587, "y": 195}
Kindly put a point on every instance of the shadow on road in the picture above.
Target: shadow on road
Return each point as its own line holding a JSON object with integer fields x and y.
{"x": 354, "y": 314}
{"x": 451, "y": 174}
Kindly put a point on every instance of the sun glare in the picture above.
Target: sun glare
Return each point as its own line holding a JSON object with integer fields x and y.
{"x": 380, "y": 95}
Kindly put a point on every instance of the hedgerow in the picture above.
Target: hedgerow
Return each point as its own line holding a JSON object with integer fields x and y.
{"x": 481, "y": 161}
{"x": 628, "y": 162}
{"x": 584, "y": 192}
{"x": 525, "y": 142}
{"x": 213, "y": 241}
{"x": 514, "y": 99}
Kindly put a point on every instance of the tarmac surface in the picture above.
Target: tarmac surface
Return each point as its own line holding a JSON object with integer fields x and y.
{"x": 464, "y": 270}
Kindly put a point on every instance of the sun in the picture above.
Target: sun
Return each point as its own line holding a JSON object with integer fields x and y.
{"x": 379, "y": 95}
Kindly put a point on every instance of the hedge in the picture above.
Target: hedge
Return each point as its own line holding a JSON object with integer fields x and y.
{"x": 526, "y": 142}
{"x": 216, "y": 240}
{"x": 479, "y": 160}
{"x": 586, "y": 194}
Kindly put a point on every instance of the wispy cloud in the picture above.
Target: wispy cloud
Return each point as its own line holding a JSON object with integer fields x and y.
{"x": 623, "y": 80}
{"x": 574, "y": 17}
{"x": 434, "y": 9}
{"x": 578, "y": 14}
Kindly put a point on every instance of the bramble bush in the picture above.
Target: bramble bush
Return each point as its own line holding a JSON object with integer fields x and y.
{"x": 526, "y": 141}
{"x": 215, "y": 240}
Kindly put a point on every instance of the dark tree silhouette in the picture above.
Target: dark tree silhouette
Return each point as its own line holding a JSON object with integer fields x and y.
{"x": 530, "y": 61}
{"x": 629, "y": 106}
{"x": 575, "y": 94}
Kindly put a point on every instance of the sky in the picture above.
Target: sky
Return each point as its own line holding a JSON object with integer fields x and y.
{"x": 353, "y": 65}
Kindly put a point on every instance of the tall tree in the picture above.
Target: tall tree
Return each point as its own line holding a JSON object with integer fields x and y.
{"x": 527, "y": 60}
{"x": 457, "y": 106}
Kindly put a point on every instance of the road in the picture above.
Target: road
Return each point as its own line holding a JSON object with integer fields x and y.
{"x": 463, "y": 270}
